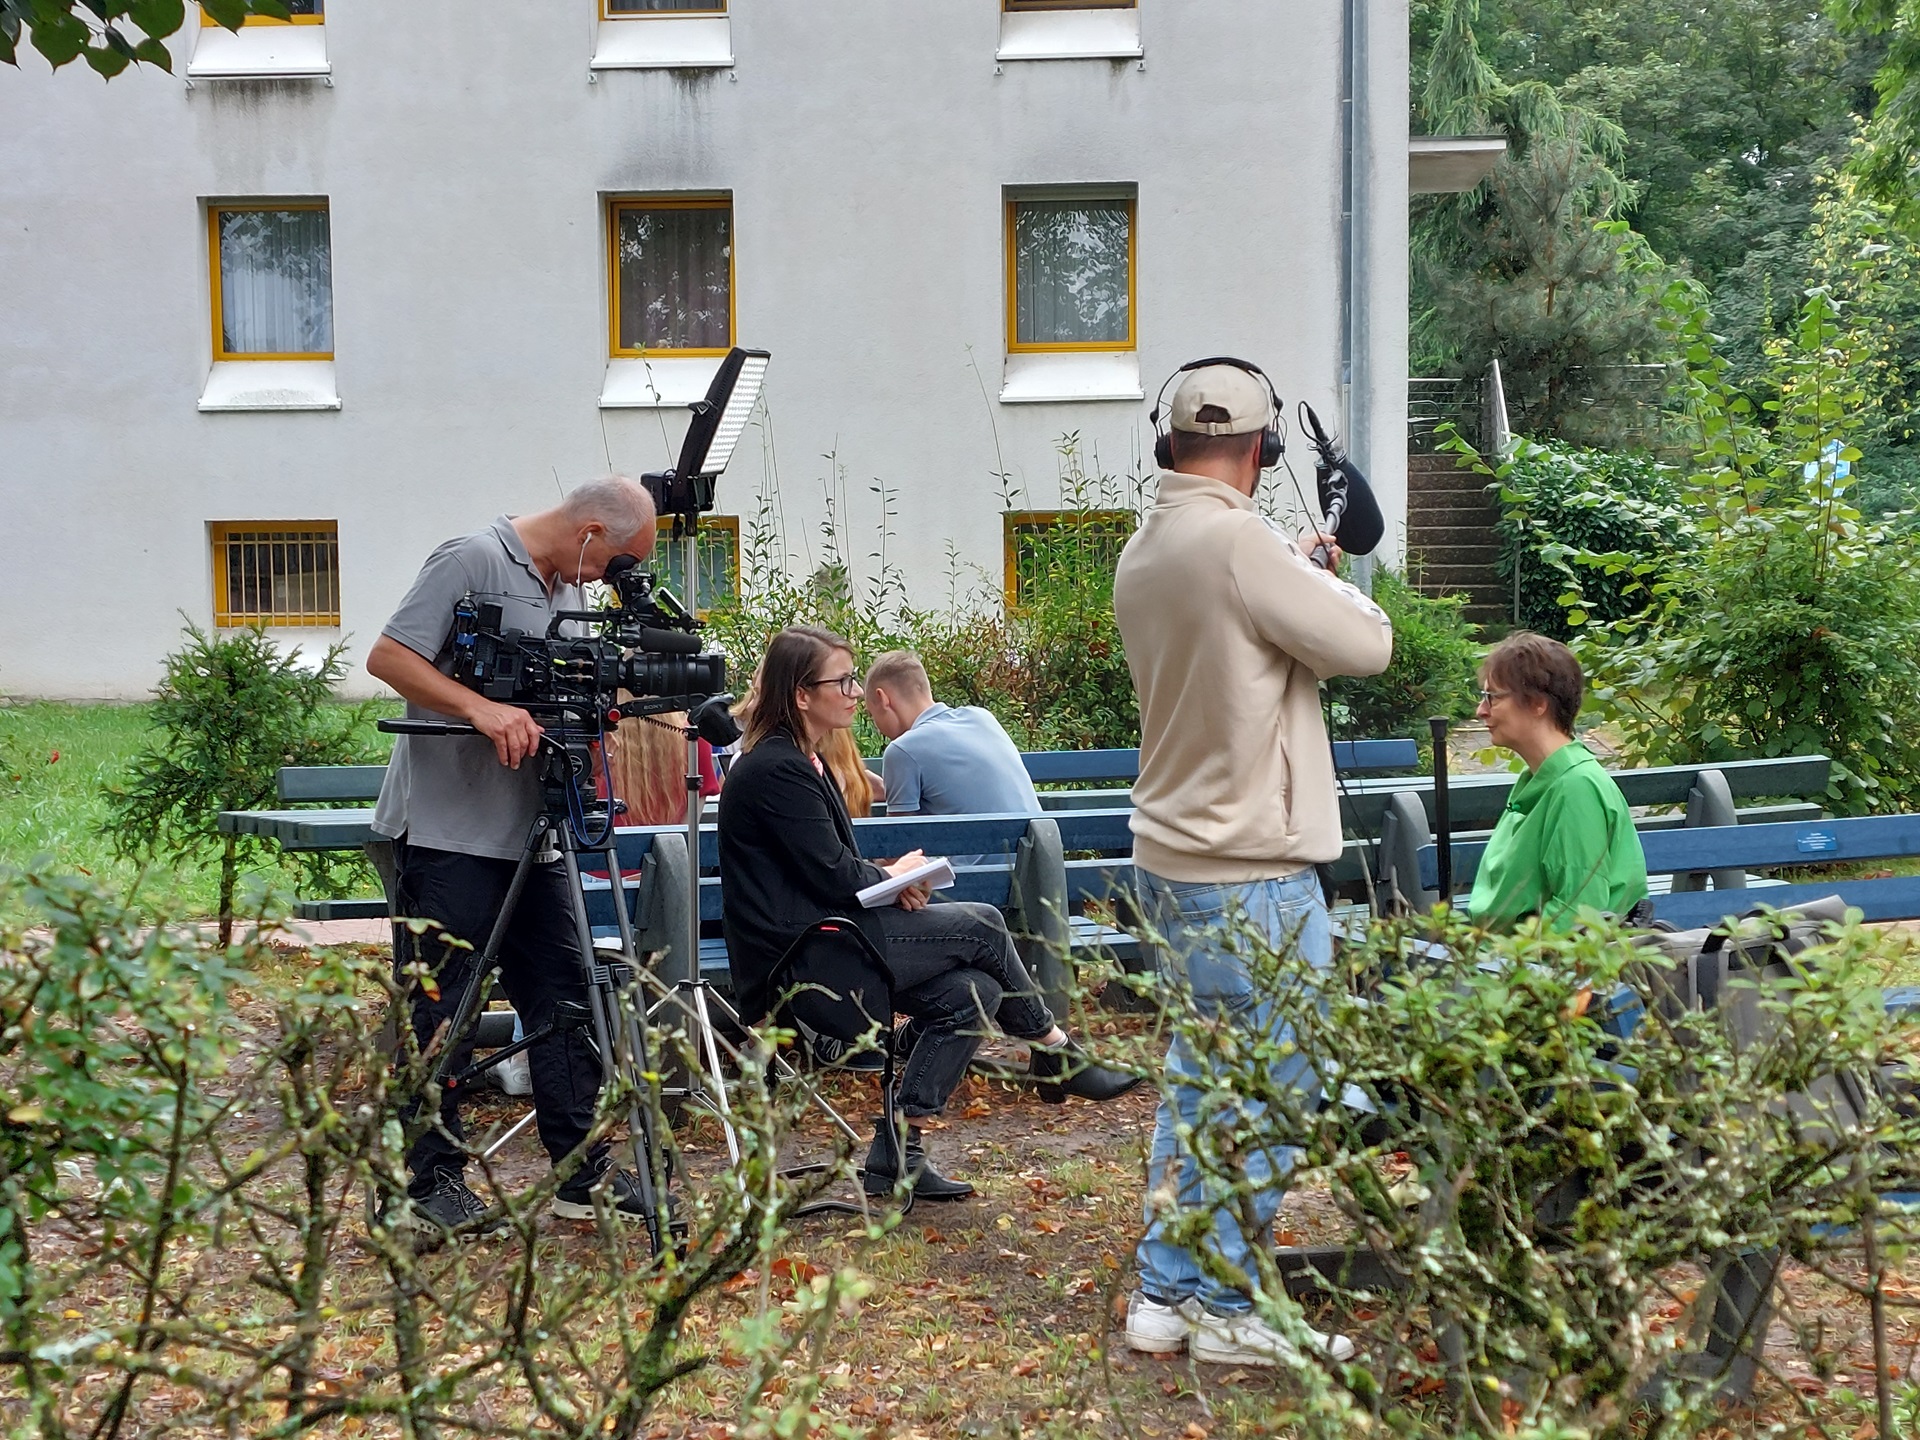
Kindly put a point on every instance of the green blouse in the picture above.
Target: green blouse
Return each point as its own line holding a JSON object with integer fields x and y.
{"x": 1565, "y": 841}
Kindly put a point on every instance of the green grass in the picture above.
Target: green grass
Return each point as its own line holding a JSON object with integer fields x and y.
{"x": 57, "y": 809}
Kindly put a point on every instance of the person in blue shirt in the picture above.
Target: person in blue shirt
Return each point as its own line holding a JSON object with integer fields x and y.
{"x": 941, "y": 759}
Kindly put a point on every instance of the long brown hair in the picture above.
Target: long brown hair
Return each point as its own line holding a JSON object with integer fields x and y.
{"x": 858, "y": 786}
{"x": 793, "y": 657}
{"x": 649, "y": 764}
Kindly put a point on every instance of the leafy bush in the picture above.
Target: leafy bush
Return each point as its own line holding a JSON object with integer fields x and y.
{"x": 233, "y": 709}
{"x": 1529, "y": 1175}
{"x": 1435, "y": 651}
{"x": 1794, "y": 626}
{"x": 196, "y": 1185}
{"x": 1558, "y": 501}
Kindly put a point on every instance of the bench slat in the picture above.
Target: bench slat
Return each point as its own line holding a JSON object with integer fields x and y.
{"x": 297, "y": 783}
{"x": 1895, "y": 899}
{"x": 1735, "y": 847}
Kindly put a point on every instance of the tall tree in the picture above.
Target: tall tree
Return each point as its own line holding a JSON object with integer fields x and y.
{"x": 1889, "y": 166}
{"x": 1532, "y": 268}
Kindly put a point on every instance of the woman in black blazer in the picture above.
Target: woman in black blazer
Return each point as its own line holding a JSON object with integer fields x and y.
{"x": 788, "y": 859}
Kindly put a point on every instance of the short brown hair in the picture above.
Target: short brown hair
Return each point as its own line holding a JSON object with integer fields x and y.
{"x": 1189, "y": 445}
{"x": 793, "y": 657}
{"x": 1533, "y": 665}
{"x": 900, "y": 670}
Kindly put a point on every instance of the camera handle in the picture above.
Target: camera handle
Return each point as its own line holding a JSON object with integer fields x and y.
{"x": 424, "y": 727}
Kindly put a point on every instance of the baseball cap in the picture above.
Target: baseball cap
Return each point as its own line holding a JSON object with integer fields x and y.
{"x": 1239, "y": 393}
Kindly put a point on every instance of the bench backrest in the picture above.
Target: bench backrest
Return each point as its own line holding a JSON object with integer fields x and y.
{"x": 304, "y": 784}
{"x": 301, "y": 784}
{"x": 1739, "y": 847}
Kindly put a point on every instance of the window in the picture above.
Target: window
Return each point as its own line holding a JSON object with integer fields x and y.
{"x": 1016, "y": 6}
{"x": 1070, "y": 269}
{"x": 628, "y": 9}
{"x": 671, "y": 279}
{"x": 302, "y": 12}
{"x": 1070, "y": 544}
{"x": 272, "y": 281}
{"x": 276, "y": 572}
{"x": 718, "y": 543}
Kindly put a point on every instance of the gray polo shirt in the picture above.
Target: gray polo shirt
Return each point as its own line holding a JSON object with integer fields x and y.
{"x": 956, "y": 762}
{"x": 452, "y": 792}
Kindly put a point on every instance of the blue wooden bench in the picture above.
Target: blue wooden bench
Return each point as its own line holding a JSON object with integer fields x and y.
{"x": 1709, "y": 795}
{"x": 1022, "y": 876}
{"x": 1734, "y": 849}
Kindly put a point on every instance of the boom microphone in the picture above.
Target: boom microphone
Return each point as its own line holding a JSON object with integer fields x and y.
{"x": 1353, "y": 515}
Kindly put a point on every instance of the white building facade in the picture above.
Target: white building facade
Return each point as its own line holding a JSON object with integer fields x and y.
{"x": 277, "y": 324}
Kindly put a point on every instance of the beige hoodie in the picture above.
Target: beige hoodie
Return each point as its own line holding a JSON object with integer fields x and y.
{"x": 1229, "y": 629}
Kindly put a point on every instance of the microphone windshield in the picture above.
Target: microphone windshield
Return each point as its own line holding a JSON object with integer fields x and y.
{"x": 1362, "y": 527}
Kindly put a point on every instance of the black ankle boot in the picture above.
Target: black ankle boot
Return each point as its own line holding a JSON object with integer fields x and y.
{"x": 883, "y": 1167}
{"x": 1065, "y": 1070}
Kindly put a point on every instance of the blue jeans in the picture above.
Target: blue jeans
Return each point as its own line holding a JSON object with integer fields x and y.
{"x": 1194, "y": 921}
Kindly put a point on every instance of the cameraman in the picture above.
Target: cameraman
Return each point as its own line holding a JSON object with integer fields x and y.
{"x": 1229, "y": 630}
{"x": 458, "y": 810}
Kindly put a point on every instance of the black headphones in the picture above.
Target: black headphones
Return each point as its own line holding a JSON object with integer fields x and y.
{"x": 1272, "y": 443}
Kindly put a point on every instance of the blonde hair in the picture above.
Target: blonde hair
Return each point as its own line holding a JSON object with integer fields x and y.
{"x": 903, "y": 673}
{"x": 649, "y": 766}
{"x": 858, "y": 786}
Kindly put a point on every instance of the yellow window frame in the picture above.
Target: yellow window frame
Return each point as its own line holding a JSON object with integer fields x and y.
{"x": 727, "y": 525}
{"x": 208, "y": 22}
{"x": 1017, "y": 346}
{"x": 220, "y": 538}
{"x": 669, "y": 202}
{"x": 1014, "y": 524}
{"x": 608, "y": 13}
{"x": 214, "y": 212}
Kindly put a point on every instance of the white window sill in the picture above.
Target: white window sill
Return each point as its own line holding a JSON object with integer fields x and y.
{"x": 1066, "y": 377}
{"x": 259, "y": 52}
{"x": 1070, "y": 35}
{"x": 664, "y": 42}
{"x": 659, "y": 383}
{"x": 270, "y": 385}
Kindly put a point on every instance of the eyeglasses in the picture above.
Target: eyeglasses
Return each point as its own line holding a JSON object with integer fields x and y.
{"x": 1487, "y": 697}
{"x": 849, "y": 684}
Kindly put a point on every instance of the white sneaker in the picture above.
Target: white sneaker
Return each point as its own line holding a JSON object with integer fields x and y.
{"x": 513, "y": 1075}
{"x": 1249, "y": 1340}
{"x": 1160, "y": 1329}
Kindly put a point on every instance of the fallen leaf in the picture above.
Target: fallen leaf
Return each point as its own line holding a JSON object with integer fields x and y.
{"x": 933, "y": 1237}
{"x": 1194, "y": 1431}
{"x": 977, "y": 1110}
{"x": 1027, "y": 1366}
{"x": 1046, "y": 1226}
{"x": 796, "y": 1272}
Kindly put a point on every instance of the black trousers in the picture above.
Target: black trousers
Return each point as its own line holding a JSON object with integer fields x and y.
{"x": 955, "y": 972}
{"x": 540, "y": 965}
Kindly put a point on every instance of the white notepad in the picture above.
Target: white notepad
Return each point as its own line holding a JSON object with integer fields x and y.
{"x": 937, "y": 872}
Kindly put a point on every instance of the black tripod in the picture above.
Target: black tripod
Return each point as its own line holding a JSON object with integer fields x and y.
{"x": 614, "y": 1009}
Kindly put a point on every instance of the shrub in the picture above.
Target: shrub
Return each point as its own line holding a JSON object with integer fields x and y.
{"x": 1530, "y": 1173}
{"x": 233, "y": 709}
{"x": 1435, "y": 652}
{"x": 1794, "y": 626}
{"x": 195, "y": 1202}
{"x": 1560, "y": 501}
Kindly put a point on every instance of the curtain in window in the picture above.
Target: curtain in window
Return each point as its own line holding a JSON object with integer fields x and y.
{"x": 674, "y": 280}
{"x": 276, "y": 282}
{"x": 1070, "y": 272}
{"x": 651, "y": 7}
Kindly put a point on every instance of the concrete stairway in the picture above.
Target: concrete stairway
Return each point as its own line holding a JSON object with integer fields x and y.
{"x": 1450, "y": 536}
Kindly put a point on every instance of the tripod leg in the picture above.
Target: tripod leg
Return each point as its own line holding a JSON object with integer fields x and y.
{"x": 710, "y": 1048}
{"x": 622, "y": 1049}
{"x": 446, "y": 1042}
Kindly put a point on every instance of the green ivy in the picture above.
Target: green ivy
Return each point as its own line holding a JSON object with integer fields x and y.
{"x": 1559, "y": 502}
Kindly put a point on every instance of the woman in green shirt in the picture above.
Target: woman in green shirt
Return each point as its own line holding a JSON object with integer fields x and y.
{"x": 1565, "y": 842}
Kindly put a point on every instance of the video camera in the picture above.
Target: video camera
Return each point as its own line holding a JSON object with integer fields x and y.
{"x": 647, "y": 644}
